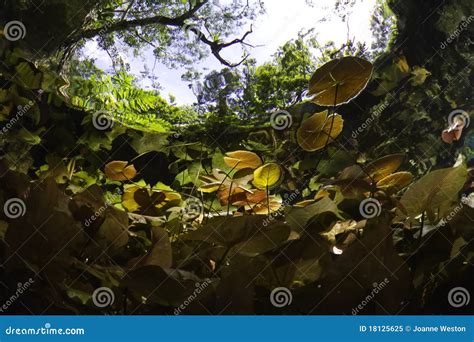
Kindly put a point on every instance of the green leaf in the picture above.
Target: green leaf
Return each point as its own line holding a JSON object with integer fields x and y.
{"x": 299, "y": 218}
{"x": 266, "y": 176}
{"x": 160, "y": 254}
{"x": 435, "y": 189}
{"x": 249, "y": 235}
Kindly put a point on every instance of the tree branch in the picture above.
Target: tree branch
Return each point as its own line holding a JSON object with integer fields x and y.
{"x": 180, "y": 21}
{"x": 156, "y": 20}
{"x": 216, "y": 46}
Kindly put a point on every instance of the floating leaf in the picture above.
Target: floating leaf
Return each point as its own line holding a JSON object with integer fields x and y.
{"x": 227, "y": 187}
{"x": 261, "y": 242}
{"x": 160, "y": 254}
{"x": 242, "y": 159}
{"x": 313, "y": 133}
{"x": 266, "y": 175}
{"x": 305, "y": 203}
{"x": 148, "y": 201}
{"x": 113, "y": 232}
{"x": 258, "y": 203}
{"x": 346, "y": 77}
{"x": 119, "y": 170}
{"x": 298, "y": 218}
{"x": 434, "y": 190}
{"x": 353, "y": 188}
{"x": 247, "y": 235}
{"x": 339, "y": 227}
{"x": 384, "y": 166}
{"x": 395, "y": 182}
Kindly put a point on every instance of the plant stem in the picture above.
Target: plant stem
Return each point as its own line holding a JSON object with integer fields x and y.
{"x": 222, "y": 260}
{"x": 330, "y": 127}
{"x": 228, "y": 198}
{"x": 268, "y": 202}
{"x": 421, "y": 228}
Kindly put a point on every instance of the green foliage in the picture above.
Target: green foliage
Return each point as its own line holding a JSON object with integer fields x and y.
{"x": 126, "y": 102}
{"x": 151, "y": 215}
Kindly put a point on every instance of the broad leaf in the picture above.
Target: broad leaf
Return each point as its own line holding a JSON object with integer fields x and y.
{"x": 313, "y": 134}
{"x": 299, "y": 218}
{"x": 339, "y": 80}
{"x": 266, "y": 176}
{"x": 242, "y": 159}
{"x": 119, "y": 170}
{"x": 434, "y": 190}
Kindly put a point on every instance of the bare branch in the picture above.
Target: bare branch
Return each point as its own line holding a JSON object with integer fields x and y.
{"x": 217, "y": 47}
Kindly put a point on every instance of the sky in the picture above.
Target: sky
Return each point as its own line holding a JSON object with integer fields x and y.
{"x": 281, "y": 22}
